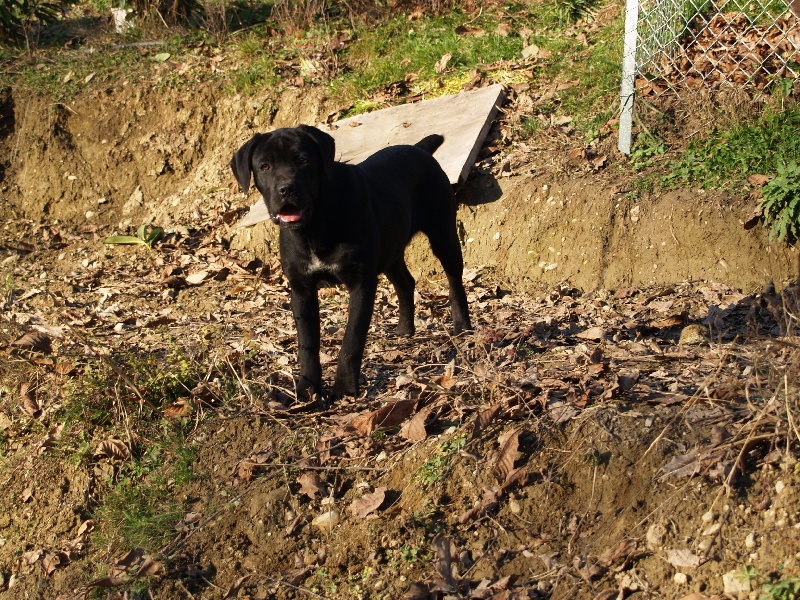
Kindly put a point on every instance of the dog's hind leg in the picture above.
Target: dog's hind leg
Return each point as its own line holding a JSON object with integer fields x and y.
{"x": 403, "y": 284}
{"x": 447, "y": 249}
{"x": 359, "y": 315}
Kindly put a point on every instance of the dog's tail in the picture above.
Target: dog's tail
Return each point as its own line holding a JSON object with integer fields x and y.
{"x": 430, "y": 143}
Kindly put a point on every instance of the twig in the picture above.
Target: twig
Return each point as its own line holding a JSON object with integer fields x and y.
{"x": 313, "y": 468}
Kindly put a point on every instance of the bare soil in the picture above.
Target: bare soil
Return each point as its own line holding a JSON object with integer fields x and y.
{"x": 623, "y": 421}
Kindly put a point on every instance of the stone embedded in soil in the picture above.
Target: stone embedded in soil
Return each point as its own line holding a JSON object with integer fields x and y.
{"x": 735, "y": 584}
{"x": 655, "y": 536}
{"x": 327, "y": 520}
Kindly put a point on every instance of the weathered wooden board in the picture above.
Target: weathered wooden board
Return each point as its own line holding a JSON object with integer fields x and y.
{"x": 463, "y": 119}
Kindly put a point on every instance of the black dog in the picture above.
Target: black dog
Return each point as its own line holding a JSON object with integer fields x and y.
{"x": 347, "y": 224}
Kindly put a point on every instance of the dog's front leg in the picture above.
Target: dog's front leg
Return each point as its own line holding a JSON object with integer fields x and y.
{"x": 305, "y": 309}
{"x": 359, "y": 315}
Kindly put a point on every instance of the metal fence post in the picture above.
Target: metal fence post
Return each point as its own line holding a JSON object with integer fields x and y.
{"x": 627, "y": 86}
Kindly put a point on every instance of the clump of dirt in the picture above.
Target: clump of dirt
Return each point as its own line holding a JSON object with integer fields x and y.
{"x": 604, "y": 431}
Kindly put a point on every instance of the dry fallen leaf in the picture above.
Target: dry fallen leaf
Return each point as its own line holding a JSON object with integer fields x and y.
{"x": 312, "y": 485}
{"x": 113, "y": 449}
{"x": 414, "y": 430}
{"x": 441, "y": 64}
{"x": 506, "y": 455}
{"x": 390, "y": 414}
{"x": 33, "y": 341}
{"x": 368, "y": 503}
{"x": 151, "y": 567}
{"x": 483, "y": 419}
{"x": 592, "y": 334}
{"x": 52, "y": 437}
{"x": 196, "y": 278}
{"x": 28, "y": 403}
{"x": 236, "y": 586}
{"x": 683, "y": 558}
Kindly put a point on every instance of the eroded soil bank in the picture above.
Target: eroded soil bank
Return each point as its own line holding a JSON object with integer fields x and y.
{"x": 125, "y": 157}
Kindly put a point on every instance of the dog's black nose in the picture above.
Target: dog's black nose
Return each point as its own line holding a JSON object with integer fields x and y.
{"x": 285, "y": 189}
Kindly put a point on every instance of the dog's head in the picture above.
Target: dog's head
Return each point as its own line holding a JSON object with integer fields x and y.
{"x": 289, "y": 167}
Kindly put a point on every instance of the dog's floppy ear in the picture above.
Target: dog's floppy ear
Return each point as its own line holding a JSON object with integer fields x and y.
{"x": 240, "y": 163}
{"x": 325, "y": 143}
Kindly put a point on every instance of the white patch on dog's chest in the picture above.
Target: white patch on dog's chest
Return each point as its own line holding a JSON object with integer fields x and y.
{"x": 317, "y": 266}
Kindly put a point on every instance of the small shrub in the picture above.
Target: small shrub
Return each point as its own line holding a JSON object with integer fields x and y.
{"x": 781, "y": 203}
{"x": 17, "y": 17}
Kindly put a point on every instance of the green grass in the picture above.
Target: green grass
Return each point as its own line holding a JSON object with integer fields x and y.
{"x": 142, "y": 506}
{"x": 396, "y": 48}
{"x": 726, "y": 158}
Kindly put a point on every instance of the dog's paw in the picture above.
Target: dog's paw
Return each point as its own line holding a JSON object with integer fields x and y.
{"x": 404, "y": 330}
{"x": 345, "y": 386}
{"x": 306, "y": 387}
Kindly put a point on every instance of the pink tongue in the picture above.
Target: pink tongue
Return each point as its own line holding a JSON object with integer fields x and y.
{"x": 290, "y": 216}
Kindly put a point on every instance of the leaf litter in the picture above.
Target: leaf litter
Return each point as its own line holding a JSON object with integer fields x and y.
{"x": 555, "y": 390}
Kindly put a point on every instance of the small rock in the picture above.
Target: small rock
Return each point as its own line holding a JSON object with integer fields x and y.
{"x": 656, "y": 535}
{"x": 514, "y": 507}
{"x": 713, "y": 529}
{"x": 326, "y": 521}
{"x": 750, "y": 541}
{"x": 709, "y": 516}
{"x": 693, "y": 335}
{"x": 735, "y": 584}
{"x": 681, "y": 578}
{"x": 779, "y": 486}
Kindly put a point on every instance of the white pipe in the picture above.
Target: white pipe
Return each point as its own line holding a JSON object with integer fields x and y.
{"x": 628, "y": 84}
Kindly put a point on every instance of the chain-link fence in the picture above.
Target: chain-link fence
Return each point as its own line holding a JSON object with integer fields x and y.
{"x": 675, "y": 45}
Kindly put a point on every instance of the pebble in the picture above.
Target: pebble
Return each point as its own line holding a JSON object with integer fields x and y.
{"x": 779, "y": 487}
{"x": 734, "y": 583}
{"x": 327, "y": 520}
{"x": 709, "y": 517}
{"x": 681, "y": 578}
{"x": 514, "y": 507}
{"x": 713, "y": 529}
{"x": 655, "y": 536}
{"x": 750, "y": 541}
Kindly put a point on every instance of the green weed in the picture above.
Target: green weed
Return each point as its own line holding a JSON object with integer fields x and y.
{"x": 781, "y": 203}
{"x": 144, "y": 236}
{"x": 788, "y": 589}
{"x": 436, "y": 467}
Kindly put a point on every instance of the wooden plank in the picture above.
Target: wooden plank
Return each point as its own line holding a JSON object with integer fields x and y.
{"x": 463, "y": 119}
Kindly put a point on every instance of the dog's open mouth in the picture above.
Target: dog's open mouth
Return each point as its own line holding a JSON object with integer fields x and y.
{"x": 289, "y": 215}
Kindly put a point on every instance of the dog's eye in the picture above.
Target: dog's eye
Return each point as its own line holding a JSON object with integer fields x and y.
{"x": 266, "y": 167}
{"x": 302, "y": 160}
